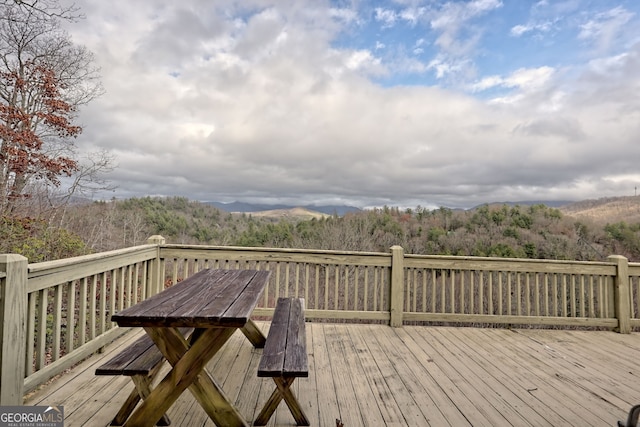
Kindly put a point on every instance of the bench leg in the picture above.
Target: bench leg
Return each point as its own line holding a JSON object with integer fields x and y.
{"x": 141, "y": 391}
{"x": 283, "y": 391}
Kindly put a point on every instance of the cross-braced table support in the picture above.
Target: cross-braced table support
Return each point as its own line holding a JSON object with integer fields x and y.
{"x": 188, "y": 362}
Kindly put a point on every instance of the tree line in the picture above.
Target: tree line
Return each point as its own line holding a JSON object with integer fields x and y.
{"x": 535, "y": 232}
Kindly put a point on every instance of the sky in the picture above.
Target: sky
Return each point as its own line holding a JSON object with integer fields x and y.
{"x": 400, "y": 103}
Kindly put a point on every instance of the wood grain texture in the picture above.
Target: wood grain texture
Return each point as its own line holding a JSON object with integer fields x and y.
{"x": 285, "y": 352}
{"x": 284, "y": 358}
{"x": 209, "y": 298}
{"x": 410, "y": 376}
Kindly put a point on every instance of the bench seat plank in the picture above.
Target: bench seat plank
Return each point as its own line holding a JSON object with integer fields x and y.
{"x": 118, "y": 364}
{"x": 138, "y": 359}
{"x": 285, "y": 352}
{"x": 284, "y": 358}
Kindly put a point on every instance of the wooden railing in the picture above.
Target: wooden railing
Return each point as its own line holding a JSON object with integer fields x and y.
{"x": 60, "y": 310}
{"x": 398, "y": 288}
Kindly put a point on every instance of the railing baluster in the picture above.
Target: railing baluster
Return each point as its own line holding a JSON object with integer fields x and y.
{"x": 31, "y": 328}
{"x": 103, "y": 303}
{"x": 43, "y": 303}
{"x": 82, "y": 313}
{"x": 306, "y": 282}
{"x": 71, "y": 311}
{"x": 356, "y": 280}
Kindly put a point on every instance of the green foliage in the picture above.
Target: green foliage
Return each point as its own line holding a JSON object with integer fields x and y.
{"x": 626, "y": 235}
{"x": 38, "y": 242}
{"x": 500, "y": 231}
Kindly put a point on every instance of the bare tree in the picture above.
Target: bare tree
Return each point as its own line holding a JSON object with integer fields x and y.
{"x": 46, "y": 78}
{"x": 49, "y": 8}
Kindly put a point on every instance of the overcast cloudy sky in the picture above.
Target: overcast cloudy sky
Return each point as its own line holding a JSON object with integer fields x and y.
{"x": 403, "y": 103}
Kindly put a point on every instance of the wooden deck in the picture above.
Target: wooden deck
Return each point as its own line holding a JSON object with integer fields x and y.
{"x": 373, "y": 375}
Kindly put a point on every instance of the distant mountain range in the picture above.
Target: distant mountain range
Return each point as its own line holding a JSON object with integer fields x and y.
{"x": 343, "y": 209}
{"x": 252, "y": 207}
{"x": 548, "y": 203}
{"x": 340, "y": 210}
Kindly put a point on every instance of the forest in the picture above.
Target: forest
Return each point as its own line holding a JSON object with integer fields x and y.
{"x": 501, "y": 230}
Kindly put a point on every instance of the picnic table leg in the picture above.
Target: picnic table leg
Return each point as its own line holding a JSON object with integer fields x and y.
{"x": 254, "y": 334}
{"x": 188, "y": 366}
{"x": 142, "y": 388}
{"x": 127, "y": 408}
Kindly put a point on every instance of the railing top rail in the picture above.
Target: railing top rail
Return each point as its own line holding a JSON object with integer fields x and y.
{"x": 376, "y": 259}
{"x": 45, "y": 274}
{"x": 507, "y": 260}
{"x": 75, "y": 261}
{"x": 278, "y": 250}
{"x": 510, "y": 264}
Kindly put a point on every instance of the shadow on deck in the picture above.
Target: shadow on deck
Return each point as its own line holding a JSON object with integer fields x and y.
{"x": 374, "y": 375}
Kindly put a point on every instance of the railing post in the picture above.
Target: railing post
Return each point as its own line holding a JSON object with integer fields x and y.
{"x": 156, "y": 284}
{"x": 397, "y": 286}
{"x": 621, "y": 293}
{"x": 13, "y": 328}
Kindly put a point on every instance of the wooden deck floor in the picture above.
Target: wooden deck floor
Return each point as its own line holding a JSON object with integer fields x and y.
{"x": 373, "y": 375}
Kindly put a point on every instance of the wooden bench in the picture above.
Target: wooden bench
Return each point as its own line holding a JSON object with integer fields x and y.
{"x": 284, "y": 358}
{"x": 141, "y": 361}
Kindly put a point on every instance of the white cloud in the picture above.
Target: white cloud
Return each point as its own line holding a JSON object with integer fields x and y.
{"x": 387, "y": 16}
{"x": 604, "y": 27}
{"x": 448, "y": 21}
{"x": 530, "y": 78}
{"x": 526, "y": 79}
{"x": 453, "y": 15}
{"x": 347, "y": 16}
{"x": 413, "y": 15}
{"x": 608, "y": 65}
{"x": 362, "y": 59}
{"x": 541, "y": 27}
{"x": 519, "y": 30}
{"x": 265, "y": 107}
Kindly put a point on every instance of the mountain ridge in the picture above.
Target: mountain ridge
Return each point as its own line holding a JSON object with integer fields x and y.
{"x": 602, "y": 210}
{"x": 244, "y": 207}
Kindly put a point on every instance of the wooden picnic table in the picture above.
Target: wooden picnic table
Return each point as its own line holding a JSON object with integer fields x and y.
{"x": 213, "y": 302}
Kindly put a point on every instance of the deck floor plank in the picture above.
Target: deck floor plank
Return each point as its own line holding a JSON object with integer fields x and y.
{"x": 376, "y": 375}
{"x": 581, "y": 345}
{"x": 426, "y": 373}
{"x": 400, "y": 408}
{"x": 327, "y": 410}
{"x": 489, "y": 381}
{"x": 543, "y": 368}
{"x": 584, "y": 369}
{"x": 369, "y": 409}
{"x": 450, "y": 381}
{"x": 546, "y": 408}
{"x": 417, "y": 381}
{"x": 343, "y": 375}
{"x": 307, "y": 388}
{"x": 574, "y": 374}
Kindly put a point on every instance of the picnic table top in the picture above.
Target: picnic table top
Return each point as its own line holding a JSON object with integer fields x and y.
{"x": 209, "y": 298}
